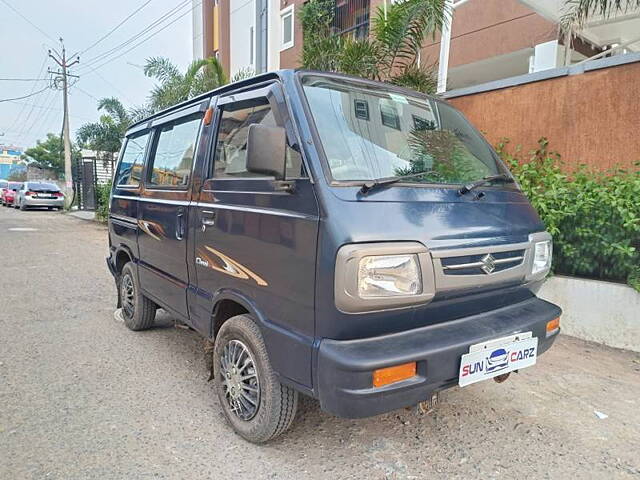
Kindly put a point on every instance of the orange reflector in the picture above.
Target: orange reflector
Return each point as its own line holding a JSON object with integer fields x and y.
{"x": 208, "y": 116}
{"x": 553, "y": 325}
{"x": 388, "y": 375}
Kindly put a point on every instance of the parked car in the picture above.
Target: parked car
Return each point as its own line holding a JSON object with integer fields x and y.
{"x": 341, "y": 238}
{"x": 9, "y": 194}
{"x": 40, "y": 194}
{"x": 3, "y": 185}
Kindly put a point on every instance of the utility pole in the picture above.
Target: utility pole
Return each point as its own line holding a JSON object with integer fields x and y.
{"x": 61, "y": 60}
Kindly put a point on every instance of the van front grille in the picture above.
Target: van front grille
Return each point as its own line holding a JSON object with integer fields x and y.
{"x": 482, "y": 264}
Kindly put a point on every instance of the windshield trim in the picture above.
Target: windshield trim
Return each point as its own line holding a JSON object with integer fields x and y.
{"x": 333, "y": 182}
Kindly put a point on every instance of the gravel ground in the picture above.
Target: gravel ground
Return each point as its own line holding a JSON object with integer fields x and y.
{"x": 81, "y": 397}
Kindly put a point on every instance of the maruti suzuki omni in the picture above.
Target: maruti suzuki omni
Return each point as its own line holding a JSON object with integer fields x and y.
{"x": 340, "y": 238}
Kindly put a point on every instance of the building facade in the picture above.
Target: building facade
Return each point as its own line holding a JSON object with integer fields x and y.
{"x": 489, "y": 39}
{"x": 10, "y": 160}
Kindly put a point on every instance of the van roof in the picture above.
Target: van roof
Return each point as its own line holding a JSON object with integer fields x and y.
{"x": 262, "y": 78}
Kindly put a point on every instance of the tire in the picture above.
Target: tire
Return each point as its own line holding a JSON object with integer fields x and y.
{"x": 138, "y": 311}
{"x": 274, "y": 404}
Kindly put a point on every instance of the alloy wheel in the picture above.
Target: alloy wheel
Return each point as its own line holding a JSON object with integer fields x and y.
{"x": 239, "y": 378}
{"x": 127, "y": 298}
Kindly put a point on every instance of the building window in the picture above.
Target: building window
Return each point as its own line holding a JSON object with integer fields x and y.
{"x": 361, "y": 108}
{"x": 351, "y": 17}
{"x": 420, "y": 123}
{"x": 389, "y": 116}
{"x": 286, "y": 28}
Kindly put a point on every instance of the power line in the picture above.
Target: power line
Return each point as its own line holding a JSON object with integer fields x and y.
{"x": 27, "y": 20}
{"x": 144, "y": 40}
{"x": 26, "y": 120}
{"x": 24, "y": 96}
{"x": 86, "y": 93}
{"x": 116, "y": 27}
{"x": 23, "y": 79}
{"x": 19, "y": 116}
{"x": 98, "y": 58}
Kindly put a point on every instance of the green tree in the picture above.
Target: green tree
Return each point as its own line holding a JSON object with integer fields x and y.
{"x": 106, "y": 134}
{"x": 580, "y": 10}
{"x": 175, "y": 87}
{"x": 390, "y": 53}
{"x": 49, "y": 154}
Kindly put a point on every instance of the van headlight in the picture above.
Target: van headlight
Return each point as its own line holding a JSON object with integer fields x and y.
{"x": 542, "y": 252}
{"x": 379, "y": 276}
{"x": 539, "y": 256}
{"x": 389, "y": 276}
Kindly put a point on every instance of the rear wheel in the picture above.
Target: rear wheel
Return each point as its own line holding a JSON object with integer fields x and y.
{"x": 138, "y": 311}
{"x": 255, "y": 403}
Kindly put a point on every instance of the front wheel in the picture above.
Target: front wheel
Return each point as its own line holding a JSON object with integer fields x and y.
{"x": 255, "y": 403}
{"x": 138, "y": 311}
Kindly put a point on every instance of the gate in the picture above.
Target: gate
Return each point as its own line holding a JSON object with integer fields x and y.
{"x": 88, "y": 173}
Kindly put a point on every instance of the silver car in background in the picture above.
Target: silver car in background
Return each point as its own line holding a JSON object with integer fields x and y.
{"x": 40, "y": 194}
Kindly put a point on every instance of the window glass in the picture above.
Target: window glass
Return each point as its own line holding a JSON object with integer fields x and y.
{"x": 286, "y": 19}
{"x": 231, "y": 147}
{"x": 403, "y": 135}
{"x": 171, "y": 165}
{"x": 130, "y": 168}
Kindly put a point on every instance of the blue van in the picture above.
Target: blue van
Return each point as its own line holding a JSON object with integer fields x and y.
{"x": 341, "y": 238}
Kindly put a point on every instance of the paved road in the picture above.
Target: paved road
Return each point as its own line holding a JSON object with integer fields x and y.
{"x": 81, "y": 397}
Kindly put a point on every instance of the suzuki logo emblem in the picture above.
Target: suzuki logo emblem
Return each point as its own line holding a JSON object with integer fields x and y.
{"x": 488, "y": 263}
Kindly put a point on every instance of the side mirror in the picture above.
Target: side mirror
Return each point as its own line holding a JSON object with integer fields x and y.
{"x": 266, "y": 150}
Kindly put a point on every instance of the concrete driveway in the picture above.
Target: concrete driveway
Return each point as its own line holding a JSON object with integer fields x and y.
{"x": 81, "y": 397}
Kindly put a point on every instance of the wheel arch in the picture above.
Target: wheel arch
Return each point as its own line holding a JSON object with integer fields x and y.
{"x": 229, "y": 303}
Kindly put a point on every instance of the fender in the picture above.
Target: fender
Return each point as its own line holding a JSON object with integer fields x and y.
{"x": 240, "y": 298}
{"x": 282, "y": 344}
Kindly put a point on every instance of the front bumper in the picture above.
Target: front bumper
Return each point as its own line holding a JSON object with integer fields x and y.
{"x": 345, "y": 367}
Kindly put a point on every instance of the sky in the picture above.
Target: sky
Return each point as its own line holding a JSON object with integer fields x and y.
{"x": 82, "y": 23}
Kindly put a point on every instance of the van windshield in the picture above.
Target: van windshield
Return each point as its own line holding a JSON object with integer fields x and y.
{"x": 370, "y": 133}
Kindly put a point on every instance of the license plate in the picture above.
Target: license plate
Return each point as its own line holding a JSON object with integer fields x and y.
{"x": 497, "y": 357}
{"x": 45, "y": 196}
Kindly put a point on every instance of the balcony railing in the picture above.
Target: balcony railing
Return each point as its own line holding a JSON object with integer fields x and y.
{"x": 351, "y": 17}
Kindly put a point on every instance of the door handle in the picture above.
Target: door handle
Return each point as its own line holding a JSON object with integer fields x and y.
{"x": 208, "y": 219}
{"x": 180, "y": 224}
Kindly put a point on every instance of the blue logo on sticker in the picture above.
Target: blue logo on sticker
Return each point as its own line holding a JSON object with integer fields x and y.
{"x": 497, "y": 360}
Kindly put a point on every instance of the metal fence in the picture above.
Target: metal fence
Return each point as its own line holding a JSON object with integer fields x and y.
{"x": 351, "y": 17}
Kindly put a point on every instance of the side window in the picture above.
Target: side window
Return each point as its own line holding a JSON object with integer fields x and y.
{"x": 130, "y": 168}
{"x": 231, "y": 146}
{"x": 175, "y": 148}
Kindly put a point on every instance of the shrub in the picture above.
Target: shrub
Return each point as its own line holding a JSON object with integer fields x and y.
{"x": 594, "y": 216}
{"x": 102, "y": 197}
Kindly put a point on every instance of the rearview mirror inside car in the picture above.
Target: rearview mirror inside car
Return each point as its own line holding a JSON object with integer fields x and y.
{"x": 266, "y": 150}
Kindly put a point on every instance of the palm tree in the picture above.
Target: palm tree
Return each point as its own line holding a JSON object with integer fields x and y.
{"x": 391, "y": 53}
{"x": 106, "y": 134}
{"x": 174, "y": 86}
{"x": 580, "y": 10}
{"x": 577, "y": 12}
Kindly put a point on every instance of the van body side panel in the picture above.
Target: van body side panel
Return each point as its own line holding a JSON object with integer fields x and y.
{"x": 123, "y": 224}
{"x": 163, "y": 268}
{"x": 263, "y": 247}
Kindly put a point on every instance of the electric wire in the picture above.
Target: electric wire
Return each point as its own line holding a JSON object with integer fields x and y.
{"x": 91, "y": 68}
{"x": 98, "y": 58}
{"x": 2, "y": 100}
{"x": 131, "y": 15}
{"x": 27, "y": 20}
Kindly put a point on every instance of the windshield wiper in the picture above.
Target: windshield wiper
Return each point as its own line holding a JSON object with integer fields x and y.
{"x": 503, "y": 177}
{"x": 368, "y": 186}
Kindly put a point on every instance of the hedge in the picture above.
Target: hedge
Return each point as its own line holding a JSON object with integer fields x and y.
{"x": 594, "y": 216}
